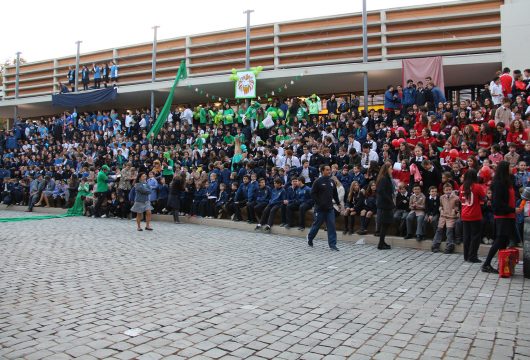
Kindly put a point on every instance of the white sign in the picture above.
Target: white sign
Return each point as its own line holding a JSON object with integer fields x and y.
{"x": 245, "y": 85}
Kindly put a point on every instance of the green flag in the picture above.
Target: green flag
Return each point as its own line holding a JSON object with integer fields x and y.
{"x": 162, "y": 117}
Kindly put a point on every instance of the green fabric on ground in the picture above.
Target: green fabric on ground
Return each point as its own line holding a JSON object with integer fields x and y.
{"x": 38, "y": 217}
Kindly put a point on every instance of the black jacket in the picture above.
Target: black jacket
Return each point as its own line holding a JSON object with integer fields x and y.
{"x": 385, "y": 194}
{"x": 432, "y": 207}
{"x": 402, "y": 201}
{"x": 500, "y": 199}
{"x": 323, "y": 192}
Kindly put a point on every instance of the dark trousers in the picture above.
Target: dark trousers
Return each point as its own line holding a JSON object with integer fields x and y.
{"x": 257, "y": 209}
{"x": 236, "y": 208}
{"x": 85, "y": 85}
{"x": 102, "y": 198}
{"x": 471, "y": 239}
{"x": 289, "y": 212}
{"x": 210, "y": 207}
{"x": 269, "y": 212}
{"x": 504, "y": 228}
{"x": 327, "y": 216}
{"x": 304, "y": 207}
{"x": 97, "y": 83}
{"x": 251, "y": 215}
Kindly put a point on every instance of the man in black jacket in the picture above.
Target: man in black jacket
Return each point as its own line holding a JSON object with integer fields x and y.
{"x": 324, "y": 192}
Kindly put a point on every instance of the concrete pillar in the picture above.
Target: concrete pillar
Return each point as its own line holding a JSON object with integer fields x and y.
{"x": 276, "y": 46}
{"x": 115, "y": 55}
{"x": 382, "y": 15}
{"x": 188, "y": 53}
{"x": 514, "y": 26}
{"x": 56, "y": 76}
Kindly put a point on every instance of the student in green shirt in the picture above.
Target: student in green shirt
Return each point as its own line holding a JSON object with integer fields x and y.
{"x": 241, "y": 110}
{"x": 228, "y": 138}
{"x": 228, "y": 114}
{"x": 314, "y": 105}
{"x": 203, "y": 115}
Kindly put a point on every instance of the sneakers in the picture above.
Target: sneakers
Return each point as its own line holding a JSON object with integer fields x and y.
{"x": 267, "y": 229}
{"x": 282, "y": 225}
{"x": 103, "y": 216}
{"x": 301, "y": 228}
{"x": 334, "y": 248}
{"x": 436, "y": 249}
{"x": 257, "y": 228}
{"x": 362, "y": 232}
{"x": 309, "y": 242}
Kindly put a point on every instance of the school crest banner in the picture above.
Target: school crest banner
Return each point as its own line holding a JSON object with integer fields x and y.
{"x": 245, "y": 85}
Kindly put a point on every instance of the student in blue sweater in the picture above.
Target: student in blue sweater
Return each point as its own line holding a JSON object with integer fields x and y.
{"x": 252, "y": 193}
{"x": 275, "y": 203}
{"x": 199, "y": 197}
{"x": 240, "y": 199}
{"x": 96, "y": 70}
{"x": 211, "y": 192}
{"x": 263, "y": 196}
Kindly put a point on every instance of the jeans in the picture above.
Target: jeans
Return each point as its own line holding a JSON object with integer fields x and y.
{"x": 449, "y": 233}
{"x": 471, "y": 239}
{"x": 419, "y": 223}
{"x": 329, "y": 217}
{"x": 304, "y": 207}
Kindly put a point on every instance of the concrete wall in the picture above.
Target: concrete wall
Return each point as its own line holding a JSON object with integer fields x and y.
{"x": 515, "y": 28}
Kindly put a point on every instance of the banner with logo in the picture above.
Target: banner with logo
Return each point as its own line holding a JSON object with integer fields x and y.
{"x": 245, "y": 85}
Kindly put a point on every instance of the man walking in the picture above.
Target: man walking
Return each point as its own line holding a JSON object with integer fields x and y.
{"x": 323, "y": 193}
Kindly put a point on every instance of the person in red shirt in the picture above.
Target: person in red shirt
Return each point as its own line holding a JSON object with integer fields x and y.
{"x": 402, "y": 175}
{"x": 413, "y": 139}
{"x": 426, "y": 139}
{"x": 506, "y": 82}
{"x": 471, "y": 192}
{"x": 464, "y": 151}
{"x": 485, "y": 138}
{"x": 517, "y": 134}
{"x": 421, "y": 124}
{"x": 503, "y": 204}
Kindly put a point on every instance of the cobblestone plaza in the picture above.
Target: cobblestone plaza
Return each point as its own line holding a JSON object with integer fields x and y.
{"x": 98, "y": 289}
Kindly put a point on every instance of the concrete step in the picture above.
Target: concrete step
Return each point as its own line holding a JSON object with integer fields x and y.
{"x": 277, "y": 230}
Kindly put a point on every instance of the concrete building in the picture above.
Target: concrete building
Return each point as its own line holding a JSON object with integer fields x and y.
{"x": 475, "y": 38}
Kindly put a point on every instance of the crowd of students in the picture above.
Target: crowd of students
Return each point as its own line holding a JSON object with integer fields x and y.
{"x": 258, "y": 163}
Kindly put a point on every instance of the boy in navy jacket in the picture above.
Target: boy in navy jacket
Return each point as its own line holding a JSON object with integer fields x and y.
{"x": 277, "y": 196}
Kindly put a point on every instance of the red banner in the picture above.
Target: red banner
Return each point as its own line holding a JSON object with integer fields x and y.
{"x": 418, "y": 69}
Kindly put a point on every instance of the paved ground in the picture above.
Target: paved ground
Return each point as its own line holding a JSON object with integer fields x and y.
{"x": 87, "y": 288}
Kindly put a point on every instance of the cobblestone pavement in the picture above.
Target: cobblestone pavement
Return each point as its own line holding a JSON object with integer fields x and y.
{"x": 96, "y": 288}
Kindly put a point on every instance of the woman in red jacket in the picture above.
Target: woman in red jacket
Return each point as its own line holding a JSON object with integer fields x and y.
{"x": 485, "y": 138}
{"x": 517, "y": 134}
{"x": 471, "y": 192}
{"x": 503, "y": 204}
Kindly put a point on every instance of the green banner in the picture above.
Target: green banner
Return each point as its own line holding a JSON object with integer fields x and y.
{"x": 162, "y": 117}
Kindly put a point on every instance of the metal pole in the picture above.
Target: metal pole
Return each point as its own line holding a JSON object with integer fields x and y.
{"x": 365, "y": 56}
{"x": 153, "y": 71}
{"x": 247, "y": 44}
{"x": 76, "y": 82}
{"x": 17, "y": 74}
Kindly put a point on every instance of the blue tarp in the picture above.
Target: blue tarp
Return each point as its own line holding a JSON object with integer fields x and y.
{"x": 85, "y": 98}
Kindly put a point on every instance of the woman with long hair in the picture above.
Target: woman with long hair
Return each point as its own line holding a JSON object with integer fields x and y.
{"x": 503, "y": 204}
{"x": 175, "y": 189}
{"x": 471, "y": 192}
{"x": 142, "y": 203}
{"x": 385, "y": 203}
